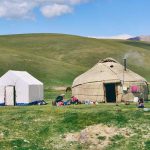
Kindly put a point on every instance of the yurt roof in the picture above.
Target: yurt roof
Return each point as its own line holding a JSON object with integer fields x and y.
{"x": 22, "y": 75}
{"x": 108, "y": 71}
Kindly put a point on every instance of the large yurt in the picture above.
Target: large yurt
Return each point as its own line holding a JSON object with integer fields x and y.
{"x": 109, "y": 81}
{"x": 20, "y": 88}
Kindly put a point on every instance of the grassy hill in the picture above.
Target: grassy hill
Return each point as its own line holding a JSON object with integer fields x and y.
{"x": 56, "y": 59}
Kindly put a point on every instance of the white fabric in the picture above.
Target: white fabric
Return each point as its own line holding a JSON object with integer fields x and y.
{"x": 125, "y": 88}
{"x": 135, "y": 99}
{"x": 28, "y": 88}
{"x": 9, "y": 98}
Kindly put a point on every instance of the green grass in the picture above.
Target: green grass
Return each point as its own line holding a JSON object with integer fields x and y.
{"x": 147, "y": 145}
{"x": 41, "y": 127}
{"x": 56, "y": 59}
{"x": 101, "y": 138}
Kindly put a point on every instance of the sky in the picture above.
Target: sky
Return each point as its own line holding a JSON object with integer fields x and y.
{"x": 95, "y": 18}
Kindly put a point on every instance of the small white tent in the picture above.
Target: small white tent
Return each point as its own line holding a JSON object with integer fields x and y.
{"x": 20, "y": 88}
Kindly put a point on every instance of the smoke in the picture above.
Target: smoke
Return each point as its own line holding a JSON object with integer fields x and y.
{"x": 134, "y": 57}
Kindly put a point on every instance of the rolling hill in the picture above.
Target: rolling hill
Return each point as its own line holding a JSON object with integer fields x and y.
{"x": 141, "y": 38}
{"x": 56, "y": 59}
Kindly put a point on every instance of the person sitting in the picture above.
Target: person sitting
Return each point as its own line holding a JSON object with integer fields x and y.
{"x": 140, "y": 103}
{"x": 59, "y": 100}
{"x": 74, "y": 100}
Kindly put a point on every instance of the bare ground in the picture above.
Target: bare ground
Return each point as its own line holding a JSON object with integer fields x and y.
{"x": 97, "y": 136}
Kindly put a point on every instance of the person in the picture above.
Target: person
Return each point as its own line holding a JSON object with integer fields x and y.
{"x": 74, "y": 100}
{"x": 59, "y": 100}
{"x": 140, "y": 103}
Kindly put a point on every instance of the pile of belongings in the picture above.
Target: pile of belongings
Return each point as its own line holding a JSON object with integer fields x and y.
{"x": 88, "y": 102}
{"x": 41, "y": 102}
{"x": 59, "y": 101}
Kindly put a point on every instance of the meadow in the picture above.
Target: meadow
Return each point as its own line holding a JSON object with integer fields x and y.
{"x": 56, "y": 59}
{"x": 45, "y": 127}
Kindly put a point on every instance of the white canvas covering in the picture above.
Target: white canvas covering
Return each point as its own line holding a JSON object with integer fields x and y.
{"x": 27, "y": 88}
{"x": 9, "y": 95}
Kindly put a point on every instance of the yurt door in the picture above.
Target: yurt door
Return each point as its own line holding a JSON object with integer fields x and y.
{"x": 110, "y": 92}
{"x": 10, "y": 96}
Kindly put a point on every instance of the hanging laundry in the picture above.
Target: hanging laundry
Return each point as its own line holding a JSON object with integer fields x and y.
{"x": 135, "y": 89}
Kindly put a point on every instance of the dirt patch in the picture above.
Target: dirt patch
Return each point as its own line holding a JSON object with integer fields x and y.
{"x": 44, "y": 119}
{"x": 59, "y": 88}
{"x": 1, "y": 135}
{"x": 97, "y": 136}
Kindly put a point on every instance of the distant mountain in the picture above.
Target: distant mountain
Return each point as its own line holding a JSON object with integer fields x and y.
{"x": 117, "y": 37}
{"x": 141, "y": 38}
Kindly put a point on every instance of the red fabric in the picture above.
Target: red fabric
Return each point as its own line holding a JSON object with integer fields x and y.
{"x": 74, "y": 99}
{"x": 134, "y": 89}
{"x": 60, "y": 103}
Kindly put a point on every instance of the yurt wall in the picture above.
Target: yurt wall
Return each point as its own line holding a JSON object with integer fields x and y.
{"x": 89, "y": 91}
{"x": 141, "y": 90}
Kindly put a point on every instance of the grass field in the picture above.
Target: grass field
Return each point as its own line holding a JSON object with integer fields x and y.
{"x": 44, "y": 127}
{"x": 56, "y": 60}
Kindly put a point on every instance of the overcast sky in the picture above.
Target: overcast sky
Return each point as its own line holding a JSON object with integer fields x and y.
{"x": 79, "y": 17}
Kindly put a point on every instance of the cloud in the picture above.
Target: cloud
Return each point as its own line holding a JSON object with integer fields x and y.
{"x": 78, "y": 1}
{"x": 120, "y": 36}
{"x": 10, "y": 9}
{"x": 50, "y": 11}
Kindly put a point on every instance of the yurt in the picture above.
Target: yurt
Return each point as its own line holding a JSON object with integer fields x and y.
{"x": 20, "y": 88}
{"x": 109, "y": 81}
